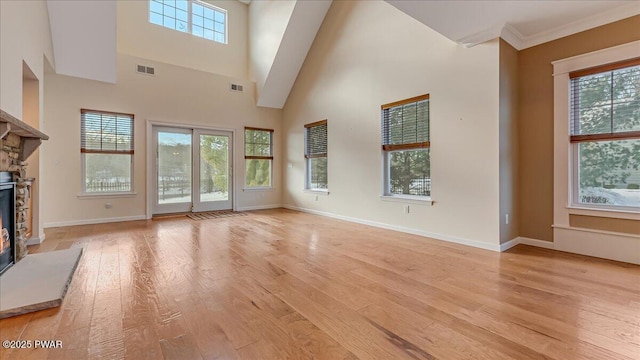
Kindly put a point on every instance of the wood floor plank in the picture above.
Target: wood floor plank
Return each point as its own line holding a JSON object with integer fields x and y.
{"x": 278, "y": 284}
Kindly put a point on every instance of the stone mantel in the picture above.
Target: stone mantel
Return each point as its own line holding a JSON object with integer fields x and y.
{"x": 31, "y": 138}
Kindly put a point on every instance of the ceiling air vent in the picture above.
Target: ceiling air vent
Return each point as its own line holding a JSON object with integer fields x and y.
{"x": 236, "y": 87}
{"x": 147, "y": 70}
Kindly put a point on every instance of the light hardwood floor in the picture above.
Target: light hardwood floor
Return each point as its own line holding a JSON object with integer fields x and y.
{"x": 279, "y": 284}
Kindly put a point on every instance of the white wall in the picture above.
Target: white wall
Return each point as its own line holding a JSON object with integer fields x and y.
{"x": 368, "y": 53}
{"x": 176, "y": 95}
{"x": 267, "y": 23}
{"x": 24, "y": 36}
{"x": 138, "y": 37}
{"x": 25, "y": 39}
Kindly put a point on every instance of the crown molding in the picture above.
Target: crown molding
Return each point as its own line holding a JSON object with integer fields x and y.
{"x": 612, "y": 15}
{"x": 519, "y": 41}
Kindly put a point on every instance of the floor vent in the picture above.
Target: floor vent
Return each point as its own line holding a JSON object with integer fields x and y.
{"x": 147, "y": 70}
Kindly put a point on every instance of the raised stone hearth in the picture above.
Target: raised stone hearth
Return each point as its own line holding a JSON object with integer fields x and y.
{"x": 17, "y": 141}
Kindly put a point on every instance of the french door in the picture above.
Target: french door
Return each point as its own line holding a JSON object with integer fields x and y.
{"x": 193, "y": 170}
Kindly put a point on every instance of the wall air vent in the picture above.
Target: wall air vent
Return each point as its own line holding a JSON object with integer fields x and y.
{"x": 236, "y": 87}
{"x": 146, "y": 70}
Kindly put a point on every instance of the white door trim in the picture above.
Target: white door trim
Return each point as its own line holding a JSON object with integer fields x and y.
{"x": 149, "y": 166}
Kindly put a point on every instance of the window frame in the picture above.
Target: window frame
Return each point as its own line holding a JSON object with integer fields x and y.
{"x": 388, "y": 149}
{"x": 190, "y": 20}
{"x": 576, "y": 139}
{"x": 83, "y": 166}
{"x": 563, "y": 207}
{"x": 308, "y": 158}
{"x": 254, "y": 157}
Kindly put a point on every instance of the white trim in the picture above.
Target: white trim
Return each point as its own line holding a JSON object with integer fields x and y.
{"x": 316, "y": 191}
{"x": 598, "y": 243}
{"x": 452, "y": 239}
{"x": 604, "y": 244}
{"x": 426, "y": 201}
{"x": 596, "y": 231}
{"x": 519, "y": 41}
{"x": 36, "y": 240}
{"x": 259, "y": 207}
{"x": 509, "y": 244}
{"x": 94, "y": 221}
{"x": 596, "y": 58}
{"x": 536, "y": 242}
{"x": 602, "y": 18}
{"x": 263, "y": 188}
{"x": 604, "y": 212}
{"x": 89, "y": 196}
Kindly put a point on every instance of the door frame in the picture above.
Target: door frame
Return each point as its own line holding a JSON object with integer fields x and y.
{"x": 150, "y": 162}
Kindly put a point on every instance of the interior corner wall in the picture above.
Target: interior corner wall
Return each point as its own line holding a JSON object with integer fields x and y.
{"x": 509, "y": 193}
{"x": 174, "y": 95}
{"x": 535, "y": 123}
{"x": 31, "y": 115}
{"x": 368, "y": 53}
{"x": 25, "y": 39}
{"x": 25, "y": 35}
{"x": 268, "y": 21}
{"x": 138, "y": 37}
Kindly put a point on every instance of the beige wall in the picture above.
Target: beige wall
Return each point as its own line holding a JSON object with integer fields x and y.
{"x": 348, "y": 75}
{"x": 536, "y": 120}
{"x": 25, "y": 35}
{"x": 606, "y": 224}
{"x": 509, "y": 185}
{"x": 25, "y": 40}
{"x": 176, "y": 95}
{"x": 138, "y": 37}
{"x": 267, "y": 23}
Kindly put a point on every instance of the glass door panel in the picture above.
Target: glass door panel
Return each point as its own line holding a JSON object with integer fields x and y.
{"x": 174, "y": 170}
{"x": 214, "y": 169}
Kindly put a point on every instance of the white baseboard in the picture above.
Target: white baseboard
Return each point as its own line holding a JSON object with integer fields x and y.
{"x": 536, "y": 242}
{"x": 526, "y": 241}
{"x": 259, "y": 207}
{"x": 509, "y": 244}
{"x": 448, "y": 238}
{"x": 94, "y": 221}
{"x": 602, "y": 244}
{"x": 36, "y": 240}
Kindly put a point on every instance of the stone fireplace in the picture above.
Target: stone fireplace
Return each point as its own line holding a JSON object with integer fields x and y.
{"x": 17, "y": 142}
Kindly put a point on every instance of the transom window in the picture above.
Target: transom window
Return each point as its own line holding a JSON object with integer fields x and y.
{"x": 605, "y": 135}
{"x": 405, "y": 145}
{"x": 196, "y": 17}
{"x": 106, "y": 146}
{"x": 315, "y": 154}
{"x": 258, "y": 157}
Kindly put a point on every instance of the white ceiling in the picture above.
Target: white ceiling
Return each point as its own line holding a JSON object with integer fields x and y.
{"x": 523, "y": 23}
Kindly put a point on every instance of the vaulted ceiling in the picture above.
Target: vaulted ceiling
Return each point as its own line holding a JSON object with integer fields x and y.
{"x": 85, "y": 44}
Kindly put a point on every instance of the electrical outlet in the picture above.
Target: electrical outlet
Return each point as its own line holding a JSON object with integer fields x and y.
{"x": 506, "y": 219}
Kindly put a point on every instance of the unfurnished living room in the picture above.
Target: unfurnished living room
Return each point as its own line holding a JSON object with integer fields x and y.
{"x": 317, "y": 179}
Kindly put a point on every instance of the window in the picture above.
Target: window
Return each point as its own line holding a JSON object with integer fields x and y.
{"x": 106, "y": 145}
{"x": 258, "y": 157}
{"x": 405, "y": 146}
{"x": 605, "y": 135}
{"x": 315, "y": 154}
{"x": 197, "y": 17}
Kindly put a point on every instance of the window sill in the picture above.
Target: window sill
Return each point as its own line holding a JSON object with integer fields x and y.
{"x": 87, "y": 196}
{"x": 269, "y": 188}
{"x": 316, "y": 192}
{"x": 620, "y": 213}
{"x": 408, "y": 199}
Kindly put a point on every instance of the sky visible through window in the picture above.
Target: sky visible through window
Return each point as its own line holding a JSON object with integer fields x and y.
{"x": 198, "y": 18}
